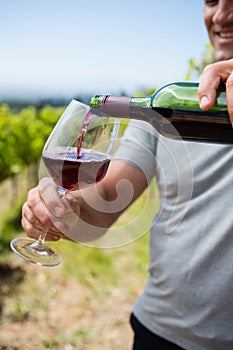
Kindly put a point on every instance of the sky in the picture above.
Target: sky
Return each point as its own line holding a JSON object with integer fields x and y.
{"x": 60, "y": 48}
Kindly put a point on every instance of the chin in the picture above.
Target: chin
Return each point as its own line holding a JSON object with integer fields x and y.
{"x": 223, "y": 56}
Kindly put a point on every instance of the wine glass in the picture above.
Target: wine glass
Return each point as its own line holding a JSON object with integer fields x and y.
{"x": 77, "y": 154}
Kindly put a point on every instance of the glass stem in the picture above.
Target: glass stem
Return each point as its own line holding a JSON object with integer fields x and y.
{"x": 41, "y": 238}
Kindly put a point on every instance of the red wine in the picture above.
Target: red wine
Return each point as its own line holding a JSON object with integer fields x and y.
{"x": 82, "y": 132}
{"x": 73, "y": 173}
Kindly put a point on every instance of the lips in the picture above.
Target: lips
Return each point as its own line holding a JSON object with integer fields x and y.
{"x": 222, "y": 41}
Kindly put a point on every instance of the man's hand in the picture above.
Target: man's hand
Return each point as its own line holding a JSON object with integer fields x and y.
{"x": 45, "y": 209}
{"x": 213, "y": 75}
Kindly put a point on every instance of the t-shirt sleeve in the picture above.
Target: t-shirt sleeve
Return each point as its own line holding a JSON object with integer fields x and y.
{"x": 138, "y": 147}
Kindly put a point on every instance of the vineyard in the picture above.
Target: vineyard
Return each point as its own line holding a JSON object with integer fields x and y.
{"x": 23, "y": 135}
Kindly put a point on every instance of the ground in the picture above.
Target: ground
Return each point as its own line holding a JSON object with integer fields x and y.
{"x": 50, "y": 308}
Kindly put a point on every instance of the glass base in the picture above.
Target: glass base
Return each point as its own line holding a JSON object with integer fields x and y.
{"x": 35, "y": 252}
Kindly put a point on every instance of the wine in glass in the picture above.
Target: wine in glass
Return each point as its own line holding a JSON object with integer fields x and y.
{"x": 77, "y": 154}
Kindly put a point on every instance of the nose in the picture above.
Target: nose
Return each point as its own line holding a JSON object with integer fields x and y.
{"x": 224, "y": 13}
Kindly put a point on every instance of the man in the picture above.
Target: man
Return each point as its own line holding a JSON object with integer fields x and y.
{"x": 218, "y": 17}
{"x": 188, "y": 300}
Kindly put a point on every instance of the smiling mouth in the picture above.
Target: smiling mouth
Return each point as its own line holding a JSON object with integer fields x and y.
{"x": 226, "y": 35}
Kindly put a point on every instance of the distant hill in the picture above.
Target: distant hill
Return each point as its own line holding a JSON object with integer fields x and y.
{"x": 17, "y": 104}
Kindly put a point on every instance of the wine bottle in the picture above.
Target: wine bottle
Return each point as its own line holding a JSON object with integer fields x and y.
{"x": 174, "y": 111}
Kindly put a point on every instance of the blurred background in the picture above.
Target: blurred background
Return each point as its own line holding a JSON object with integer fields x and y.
{"x": 53, "y": 51}
{"x": 61, "y": 49}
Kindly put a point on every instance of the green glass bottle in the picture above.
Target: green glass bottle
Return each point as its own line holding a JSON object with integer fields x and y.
{"x": 174, "y": 111}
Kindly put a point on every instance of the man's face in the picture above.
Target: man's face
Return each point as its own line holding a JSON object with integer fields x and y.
{"x": 218, "y": 16}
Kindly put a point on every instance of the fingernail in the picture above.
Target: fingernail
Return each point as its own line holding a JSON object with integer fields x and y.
{"x": 58, "y": 211}
{"x": 56, "y": 238}
{"x": 61, "y": 227}
{"x": 204, "y": 101}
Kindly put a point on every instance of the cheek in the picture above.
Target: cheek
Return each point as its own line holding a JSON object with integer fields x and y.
{"x": 208, "y": 15}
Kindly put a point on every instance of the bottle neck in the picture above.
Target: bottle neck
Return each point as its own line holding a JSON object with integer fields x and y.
{"x": 119, "y": 106}
{"x": 145, "y": 101}
{"x": 116, "y": 106}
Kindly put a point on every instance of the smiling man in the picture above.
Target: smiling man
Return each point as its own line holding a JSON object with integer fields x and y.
{"x": 218, "y": 17}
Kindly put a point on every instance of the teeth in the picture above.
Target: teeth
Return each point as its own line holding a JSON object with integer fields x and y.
{"x": 226, "y": 35}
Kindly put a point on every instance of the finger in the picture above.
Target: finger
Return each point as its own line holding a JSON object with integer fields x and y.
{"x": 49, "y": 194}
{"x": 35, "y": 232}
{"x": 34, "y": 227}
{"x": 42, "y": 218}
{"x": 229, "y": 96}
{"x": 58, "y": 206}
{"x": 208, "y": 85}
{"x": 73, "y": 199}
{"x": 58, "y": 209}
{"x": 36, "y": 216}
{"x": 29, "y": 216}
{"x": 213, "y": 75}
{"x": 35, "y": 209}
